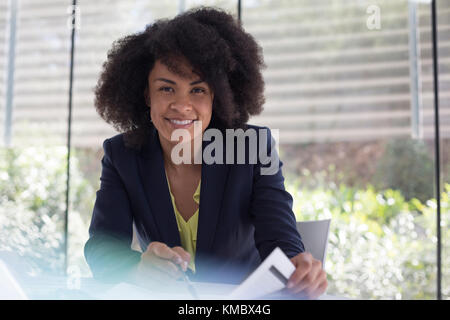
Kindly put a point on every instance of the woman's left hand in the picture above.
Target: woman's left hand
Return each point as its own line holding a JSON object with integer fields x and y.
{"x": 309, "y": 280}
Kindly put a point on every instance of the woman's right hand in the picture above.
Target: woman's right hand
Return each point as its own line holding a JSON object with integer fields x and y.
{"x": 162, "y": 264}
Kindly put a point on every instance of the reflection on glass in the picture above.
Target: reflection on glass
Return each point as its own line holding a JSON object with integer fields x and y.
{"x": 356, "y": 139}
{"x": 354, "y": 109}
{"x": 444, "y": 125}
{"x": 33, "y": 161}
{"x": 103, "y": 22}
{"x": 3, "y": 53}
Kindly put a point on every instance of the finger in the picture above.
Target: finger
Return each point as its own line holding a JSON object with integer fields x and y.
{"x": 167, "y": 267}
{"x": 302, "y": 286}
{"x": 152, "y": 261}
{"x": 184, "y": 255}
{"x": 303, "y": 263}
{"x": 163, "y": 251}
{"x": 310, "y": 282}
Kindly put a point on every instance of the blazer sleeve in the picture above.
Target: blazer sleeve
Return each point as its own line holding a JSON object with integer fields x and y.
{"x": 108, "y": 251}
{"x": 271, "y": 206}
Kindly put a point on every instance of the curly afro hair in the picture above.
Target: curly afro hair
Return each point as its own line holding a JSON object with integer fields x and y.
{"x": 216, "y": 46}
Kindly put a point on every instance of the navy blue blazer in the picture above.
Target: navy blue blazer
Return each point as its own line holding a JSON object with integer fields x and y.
{"x": 243, "y": 215}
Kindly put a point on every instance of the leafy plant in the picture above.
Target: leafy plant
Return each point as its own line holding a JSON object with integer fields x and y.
{"x": 380, "y": 245}
{"x": 32, "y": 207}
{"x": 406, "y": 166}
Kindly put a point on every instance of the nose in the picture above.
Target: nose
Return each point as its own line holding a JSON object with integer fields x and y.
{"x": 182, "y": 103}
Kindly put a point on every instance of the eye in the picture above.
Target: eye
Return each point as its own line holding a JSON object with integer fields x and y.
{"x": 199, "y": 90}
{"x": 166, "y": 89}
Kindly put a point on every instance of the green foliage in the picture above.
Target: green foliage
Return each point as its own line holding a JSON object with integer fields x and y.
{"x": 32, "y": 207}
{"x": 406, "y": 166}
{"x": 380, "y": 245}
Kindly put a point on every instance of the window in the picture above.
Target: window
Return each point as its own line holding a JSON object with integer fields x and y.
{"x": 349, "y": 84}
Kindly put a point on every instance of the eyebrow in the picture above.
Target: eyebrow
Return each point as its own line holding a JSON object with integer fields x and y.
{"x": 173, "y": 82}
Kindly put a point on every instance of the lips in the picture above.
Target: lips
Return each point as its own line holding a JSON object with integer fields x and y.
{"x": 180, "y": 123}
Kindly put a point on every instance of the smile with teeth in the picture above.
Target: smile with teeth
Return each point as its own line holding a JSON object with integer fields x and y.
{"x": 182, "y": 122}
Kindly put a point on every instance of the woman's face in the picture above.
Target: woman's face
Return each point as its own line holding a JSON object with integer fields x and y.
{"x": 176, "y": 102}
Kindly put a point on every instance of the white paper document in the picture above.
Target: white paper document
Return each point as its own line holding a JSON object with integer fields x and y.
{"x": 271, "y": 276}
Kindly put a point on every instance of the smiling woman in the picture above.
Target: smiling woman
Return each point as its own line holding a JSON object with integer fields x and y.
{"x": 177, "y": 102}
{"x": 201, "y": 44}
{"x": 216, "y": 222}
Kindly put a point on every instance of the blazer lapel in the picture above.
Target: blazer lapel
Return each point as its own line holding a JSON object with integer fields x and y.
{"x": 214, "y": 176}
{"x": 151, "y": 167}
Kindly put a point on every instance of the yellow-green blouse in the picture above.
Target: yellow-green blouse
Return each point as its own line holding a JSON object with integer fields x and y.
{"x": 187, "y": 229}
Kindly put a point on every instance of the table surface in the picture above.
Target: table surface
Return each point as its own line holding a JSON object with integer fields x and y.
{"x": 62, "y": 288}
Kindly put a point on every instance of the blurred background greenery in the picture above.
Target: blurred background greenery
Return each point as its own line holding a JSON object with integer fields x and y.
{"x": 381, "y": 245}
{"x": 32, "y": 208}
